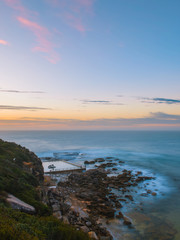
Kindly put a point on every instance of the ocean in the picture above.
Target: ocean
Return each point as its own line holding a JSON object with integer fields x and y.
{"x": 155, "y": 153}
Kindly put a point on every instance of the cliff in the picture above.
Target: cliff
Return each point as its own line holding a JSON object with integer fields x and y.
{"x": 21, "y": 187}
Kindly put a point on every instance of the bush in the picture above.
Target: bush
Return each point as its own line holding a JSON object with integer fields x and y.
{"x": 15, "y": 179}
{"x": 15, "y": 225}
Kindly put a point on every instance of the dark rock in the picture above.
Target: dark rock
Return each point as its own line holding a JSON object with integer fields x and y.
{"x": 88, "y": 224}
{"x": 130, "y": 197}
{"x": 123, "y": 200}
{"x": 99, "y": 160}
{"x": 84, "y": 229}
{"x": 153, "y": 193}
{"x": 127, "y": 221}
{"x": 144, "y": 194}
{"x": 120, "y": 215}
{"x": 121, "y": 161}
{"x": 89, "y": 162}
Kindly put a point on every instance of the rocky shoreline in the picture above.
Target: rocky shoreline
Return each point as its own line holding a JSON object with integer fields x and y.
{"x": 86, "y": 198}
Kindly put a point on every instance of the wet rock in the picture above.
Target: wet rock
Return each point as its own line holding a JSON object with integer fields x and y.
{"x": 127, "y": 221}
{"x": 143, "y": 178}
{"x": 130, "y": 197}
{"x": 108, "y": 212}
{"x": 94, "y": 189}
{"x": 120, "y": 215}
{"x": 118, "y": 205}
{"x": 144, "y": 194}
{"x": 99, "y": 160}
{"x": 153, "y": 193}
{"x": 105, "y": 165}
{"x": 121, "y": 161}
{"x": 122, "y": 199}
{"x": 89, "y": 162}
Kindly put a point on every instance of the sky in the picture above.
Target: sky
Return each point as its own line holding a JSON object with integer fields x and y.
{"x": 89, "y": 65}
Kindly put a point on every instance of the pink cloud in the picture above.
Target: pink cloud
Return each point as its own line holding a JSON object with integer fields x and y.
{"x": 74, "y": 12}
{"x": 42, "y": 34}
{"x": 87, "y": 3}
{"x": 3, "y": 42}
{"x": 16, "y": 5}
{"x": 75, "y": 22}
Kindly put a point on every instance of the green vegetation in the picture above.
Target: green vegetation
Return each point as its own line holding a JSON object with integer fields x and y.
{"x": 16, "y": 178}
{"x": 16, "y": 225}
{"x": 12, "y": 150}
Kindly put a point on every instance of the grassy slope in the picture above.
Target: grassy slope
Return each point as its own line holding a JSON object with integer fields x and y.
{"x": 15, "y": 180}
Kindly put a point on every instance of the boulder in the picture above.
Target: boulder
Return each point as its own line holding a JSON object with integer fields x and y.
{"x": 84, "y": 229}
{"x": 127, "y": 221}
{"x": 88, "y": 224}
{"x": 119, "y": 215}
{"x": 92, "y": 235}
{"x": 65, "y": 220}
{"x": 17, "y": 204}
{"x": 55, "y": 207}
{"x": 153, "y": 193}
{"x": 130, "y": 197}
{"x": 58, "y": 215}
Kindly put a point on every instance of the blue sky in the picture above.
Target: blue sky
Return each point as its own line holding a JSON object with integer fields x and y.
{"x": 80, "y": 64}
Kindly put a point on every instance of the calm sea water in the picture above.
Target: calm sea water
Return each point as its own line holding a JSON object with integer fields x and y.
{"x": 156, "y": 153}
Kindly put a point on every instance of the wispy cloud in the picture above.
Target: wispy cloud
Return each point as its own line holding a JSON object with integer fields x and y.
{"x": 3, "y": 42}
{"x": 18, "y": 91}
{"x": 104, "y": 102}
{"x": 42, "y": 35}
{"x": 11, "y": 107}
{"x": 165, "y": 116}
{"x": 154, "y": 120}
{"x": 160, "y": 100}
{"x": 74, "y": 12}
{"x": 42, "y": 38}
{"x": 16, "y": 5}
{"x": 120, "y": 95}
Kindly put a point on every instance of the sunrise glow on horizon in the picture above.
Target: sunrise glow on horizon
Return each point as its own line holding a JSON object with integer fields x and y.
{"x": 89, "y": 65}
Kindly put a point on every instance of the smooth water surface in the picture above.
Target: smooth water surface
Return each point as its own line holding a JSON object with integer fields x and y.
{"x": 156, "y": 153}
